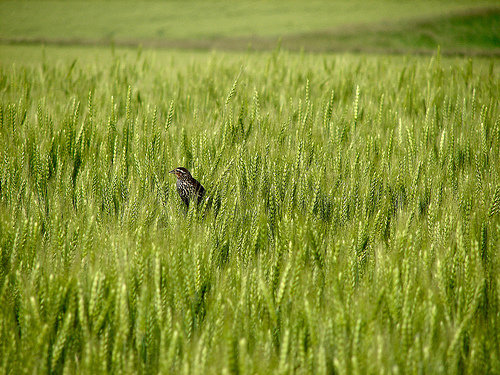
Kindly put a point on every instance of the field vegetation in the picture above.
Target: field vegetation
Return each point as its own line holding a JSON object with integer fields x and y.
{"x": 457, "y": 26}
{"x": 351, "y": 225}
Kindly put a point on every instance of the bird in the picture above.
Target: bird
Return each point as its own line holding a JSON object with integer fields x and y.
{"x": 187, "y": 186}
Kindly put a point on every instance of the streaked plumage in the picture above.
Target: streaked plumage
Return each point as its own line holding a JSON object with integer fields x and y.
{"x": 187, "y": 186}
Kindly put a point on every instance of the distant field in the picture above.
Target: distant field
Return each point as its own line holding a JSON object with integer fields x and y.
{"x": 384, "y": 25}
{"x": 352, "y": 220}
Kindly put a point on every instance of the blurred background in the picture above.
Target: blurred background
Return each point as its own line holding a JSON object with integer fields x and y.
{"x": 381, "y": 26}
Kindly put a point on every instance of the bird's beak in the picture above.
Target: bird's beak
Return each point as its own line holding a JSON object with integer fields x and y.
{"x": 172, "y": 171}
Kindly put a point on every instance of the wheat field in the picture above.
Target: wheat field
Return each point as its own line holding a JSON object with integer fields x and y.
{"x": 351, "y": 225}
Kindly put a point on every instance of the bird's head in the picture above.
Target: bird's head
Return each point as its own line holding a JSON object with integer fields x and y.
{"x": 181, "y": 172}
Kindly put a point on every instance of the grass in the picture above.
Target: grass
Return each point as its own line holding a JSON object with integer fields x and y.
{"x": 471, "y": 32}
{"x": 352, "y": 223}
{"x": 317, "y": 25}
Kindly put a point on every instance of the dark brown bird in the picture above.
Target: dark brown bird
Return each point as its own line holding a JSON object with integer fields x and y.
{"x": 187, "y": 186}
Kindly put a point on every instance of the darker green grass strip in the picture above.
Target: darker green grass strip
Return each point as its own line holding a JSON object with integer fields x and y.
{"x": 476, "y": 31}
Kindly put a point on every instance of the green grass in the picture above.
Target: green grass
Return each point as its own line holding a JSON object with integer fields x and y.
{"x": 316, "y": 25}
{"x": 352, "y": 220}
{"x": 472, "y": 32}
